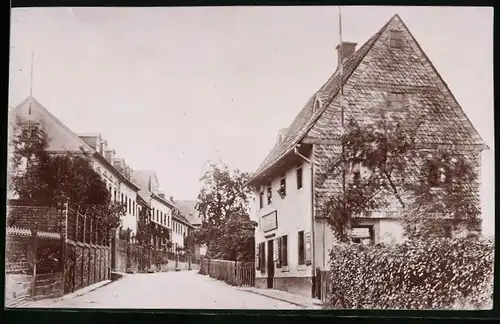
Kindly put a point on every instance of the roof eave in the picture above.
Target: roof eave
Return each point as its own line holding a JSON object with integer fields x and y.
{"x": 120, "y": 175}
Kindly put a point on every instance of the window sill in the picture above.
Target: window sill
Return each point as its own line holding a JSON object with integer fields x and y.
{"x": 301, "y": 267}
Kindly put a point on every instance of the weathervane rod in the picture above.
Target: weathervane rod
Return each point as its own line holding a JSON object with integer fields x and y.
{"x": 31, "y": 76}
{"x": 341, "y": 67}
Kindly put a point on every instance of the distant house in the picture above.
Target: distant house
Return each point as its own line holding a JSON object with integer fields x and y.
{"x": 123, "y": 191}
{"x": 62, "y": 139}
{"x": 188, "y": 209}
{"x": 161, "y": 208}
{"x": 389, "y": 72}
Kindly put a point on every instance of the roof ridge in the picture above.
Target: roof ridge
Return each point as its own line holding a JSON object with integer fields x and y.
{"x": 366, "y": 47}
{"x": 293, "y": 140}
{"x": 58, "y": 121}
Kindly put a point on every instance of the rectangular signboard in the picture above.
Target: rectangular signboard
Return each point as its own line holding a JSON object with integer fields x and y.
{"x": 270, "y": 222}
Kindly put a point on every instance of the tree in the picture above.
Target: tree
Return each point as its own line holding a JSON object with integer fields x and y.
{"x": 52, "y": 179}
{"x": 223, "y": 204}
{"x": 382, "y": 162}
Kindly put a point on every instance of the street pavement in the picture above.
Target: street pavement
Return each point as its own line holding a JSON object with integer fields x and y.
{"x": 168, "y": 290}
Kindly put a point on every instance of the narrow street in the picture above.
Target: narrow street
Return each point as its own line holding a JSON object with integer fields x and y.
{"x": 168, "y": 290}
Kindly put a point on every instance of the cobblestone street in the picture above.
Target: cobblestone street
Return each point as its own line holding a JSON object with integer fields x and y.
{"x": 168, "y": 290}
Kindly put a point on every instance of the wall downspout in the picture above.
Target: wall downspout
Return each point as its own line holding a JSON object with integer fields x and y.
{"x": 313, "y": 245}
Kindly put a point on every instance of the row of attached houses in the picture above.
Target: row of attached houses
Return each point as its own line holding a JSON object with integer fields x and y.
{"x": 390, "y": 71}
{"x": 137, "y": 189}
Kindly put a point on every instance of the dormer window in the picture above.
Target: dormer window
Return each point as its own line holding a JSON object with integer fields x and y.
{"x": 317, "y": 105}
{"x": 396, "y": 101}
{"x": 396, "y": 39}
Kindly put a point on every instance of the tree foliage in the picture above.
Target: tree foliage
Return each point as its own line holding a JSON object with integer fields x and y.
{"x": 52, "y": 179}
{"x": 382, "y": 162}
{"x": 223, "y": 205}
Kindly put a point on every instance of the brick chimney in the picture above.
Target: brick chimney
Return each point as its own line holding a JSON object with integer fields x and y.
{"x": 162, "y": 195}
{"x": 127, "y": 172}
{"x": 119, "y": 165}
{"x": 345, "y": 50}
{"x": 171, "y": 198}
{"x": 110, "y": 155}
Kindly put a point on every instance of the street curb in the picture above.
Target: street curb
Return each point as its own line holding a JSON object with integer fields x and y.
{"x": 85, "y": 290}
{"x": 275, "y": 298}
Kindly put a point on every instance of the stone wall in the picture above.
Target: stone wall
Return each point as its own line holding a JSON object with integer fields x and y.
{"x": 17, "y": 288}
{"x": 49, "y": 285}
{"x": 21, "y": 281}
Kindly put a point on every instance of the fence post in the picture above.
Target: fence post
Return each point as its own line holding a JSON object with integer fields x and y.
{"x": 34, "y": 246}
{"x": 64, "y": 233}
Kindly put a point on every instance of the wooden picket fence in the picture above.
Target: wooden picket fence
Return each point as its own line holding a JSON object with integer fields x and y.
{"x": 235, "y": 273}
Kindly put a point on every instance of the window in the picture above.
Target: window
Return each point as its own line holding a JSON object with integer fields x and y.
{"x": 396, "y": 39}
{"x": 299, "y": 177}
{"x": 31, "y": 130}
{"x": 356, "y": 173}
{"x": 301, "y": 248}
{"x": 165, "y": 219}
{"x": 269, "y": 194}
{"x": 157, "y": 215}
{"x": 261, "y": 199}
{"x": 283, "y": 245}
{"x": 129, "y": 206}
{"x": 282, "y": 189}
{"x": 121, "y": 200}
{"x": 363, "y": 235}
{"x": 133, "y": 208}
{"x": 114, "y": 195}
{"x": 168, "y": 221}
{"x": 396, "y": 101}
{"x": 437, "y": 175}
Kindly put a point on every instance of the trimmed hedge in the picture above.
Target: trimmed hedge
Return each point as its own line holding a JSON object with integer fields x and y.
{"x": 432, "y": 274}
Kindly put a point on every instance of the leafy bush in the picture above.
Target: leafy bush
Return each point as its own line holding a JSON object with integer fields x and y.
{"x": 432, "y": 274}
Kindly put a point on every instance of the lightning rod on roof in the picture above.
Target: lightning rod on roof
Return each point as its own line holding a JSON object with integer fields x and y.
{"x": 341, "y": 99}
{"x": 341, "y": 71}
{"x": 31, "y": 77}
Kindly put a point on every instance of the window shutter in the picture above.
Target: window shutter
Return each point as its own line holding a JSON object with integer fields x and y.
{"x": 280, "y": 251}
{"x": 275, "y": 250}
{"x": 284, "y": 249}
{"x": 257, "y": 256}
{"x": 308, "y": 248}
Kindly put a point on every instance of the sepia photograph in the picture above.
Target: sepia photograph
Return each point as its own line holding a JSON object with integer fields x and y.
{"x": 250, "y": 157}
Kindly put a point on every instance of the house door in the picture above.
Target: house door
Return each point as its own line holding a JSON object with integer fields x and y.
{"x": 270, "y": 264}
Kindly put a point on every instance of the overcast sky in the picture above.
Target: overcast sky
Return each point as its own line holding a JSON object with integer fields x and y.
{"x": 170, "y": 88}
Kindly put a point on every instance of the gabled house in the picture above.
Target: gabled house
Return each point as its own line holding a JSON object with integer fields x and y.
{"x": 293, "y": 238}
{"x": 188, "y": 209}
{"x": 122, "y": 191}
{"x": 161, "y": 208}
{"x": 62, "y": 139}
{"x": 181, "y": 226}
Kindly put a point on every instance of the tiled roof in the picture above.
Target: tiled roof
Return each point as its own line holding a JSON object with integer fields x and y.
{"x": 307, "y": 116}
{"x": 446, "y": 123}
{"x": 188, "y": 209}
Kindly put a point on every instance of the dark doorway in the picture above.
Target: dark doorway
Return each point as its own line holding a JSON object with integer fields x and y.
{"x": 270, "y": 264}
